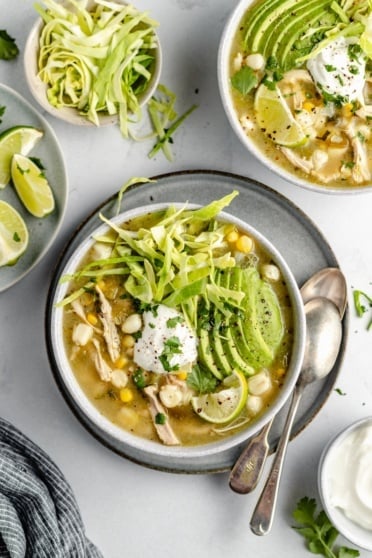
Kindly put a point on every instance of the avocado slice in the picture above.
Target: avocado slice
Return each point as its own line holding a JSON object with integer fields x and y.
{"x": 291, "y": 24}
{"x": 287, "y": 29}
{"x": 206, "y": 354}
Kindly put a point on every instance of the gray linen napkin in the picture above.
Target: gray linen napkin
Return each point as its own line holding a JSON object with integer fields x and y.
{"x": 39, "y": 516}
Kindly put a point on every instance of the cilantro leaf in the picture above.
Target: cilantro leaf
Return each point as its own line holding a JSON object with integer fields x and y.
{"x": 244, "y": 80}
{"x": 8, "y": 47}
{"x": 318, "y": 531}
{"x": 201, "y": 380}
{"x": 2, "y": 110}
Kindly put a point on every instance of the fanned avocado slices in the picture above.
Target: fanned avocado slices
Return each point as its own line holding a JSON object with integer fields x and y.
{"x": 246, "y": 337}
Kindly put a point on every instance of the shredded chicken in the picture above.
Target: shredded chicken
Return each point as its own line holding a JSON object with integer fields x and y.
{"x": 101, "y": 365}
{"x": 78, "y": 308}
{"x": 110, "y": 332}
{"x": 358, "y": 133}
{"x": 164, "y": 431}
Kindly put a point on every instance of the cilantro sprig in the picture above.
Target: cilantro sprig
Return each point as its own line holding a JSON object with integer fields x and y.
{"x": 318, "y": 531}
{"x": 8, "y": 46}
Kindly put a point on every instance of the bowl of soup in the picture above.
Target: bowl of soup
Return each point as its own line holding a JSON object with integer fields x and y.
{"x": 175, "y": 332}
{"x": 93, "y": 65}
{"x": 295, "y": 82}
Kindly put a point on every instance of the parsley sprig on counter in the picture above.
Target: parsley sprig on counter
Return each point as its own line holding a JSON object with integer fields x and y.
{"x": 8, "y": 47}
{"x": 318, "y": 531}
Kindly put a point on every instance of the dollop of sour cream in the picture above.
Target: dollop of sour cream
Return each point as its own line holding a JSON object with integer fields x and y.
{"x": 350, "y": 476}
{"x": 339, "y": 70}
{"x": 167, "y": 343}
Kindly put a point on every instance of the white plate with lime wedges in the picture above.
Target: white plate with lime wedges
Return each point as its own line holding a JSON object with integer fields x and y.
{"x": 32, "y": 205}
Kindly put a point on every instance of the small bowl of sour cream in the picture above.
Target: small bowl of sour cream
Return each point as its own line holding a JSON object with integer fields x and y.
{"x": 345, "y": 482}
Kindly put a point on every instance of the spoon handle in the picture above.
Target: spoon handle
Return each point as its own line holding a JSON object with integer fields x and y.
{"x": 263, "y": 514}
{"x": 247, "y": 470}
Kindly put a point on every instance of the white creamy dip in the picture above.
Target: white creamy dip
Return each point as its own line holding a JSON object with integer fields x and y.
{"x": 350, "y": 476}
{"x": 336, "y": 72}
{"x": 167, "y": 343}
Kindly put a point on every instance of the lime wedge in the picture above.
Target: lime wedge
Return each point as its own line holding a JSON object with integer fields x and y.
{"x": 32, "y": 186}
{"x": 19, "y": 139}
{"x": 275, "y": 118}
{"x": 224, "y": 405}
{"x": 13, "y": 234}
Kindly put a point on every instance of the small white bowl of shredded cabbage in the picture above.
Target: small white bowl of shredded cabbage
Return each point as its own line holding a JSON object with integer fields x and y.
{"x": 90, "y": 62}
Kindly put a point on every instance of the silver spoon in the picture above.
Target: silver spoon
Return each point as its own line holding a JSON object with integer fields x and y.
{"x": 323, "y": 339}
{"x": 329, "y": 283}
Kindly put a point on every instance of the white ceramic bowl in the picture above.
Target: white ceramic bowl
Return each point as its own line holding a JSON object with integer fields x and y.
{"x": 69, "y": 114}
{"x": 349, "y": 529}
{"x": 227, "y": 38}
{"x": 215, "y": 456}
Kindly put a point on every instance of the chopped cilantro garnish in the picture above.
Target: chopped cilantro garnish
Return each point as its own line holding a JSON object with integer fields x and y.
{"x": 139, "y": 379}
{"x": 201, "y": 380}
{"x": 160, "y": 418}
{"x": 172, "y": 322}
{"x": 172, "y": 346}
{"x": 16, "y": 237}
{"x": 2, "y": 110}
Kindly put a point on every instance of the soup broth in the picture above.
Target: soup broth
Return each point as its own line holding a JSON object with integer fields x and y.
{"x": 149, "y": 360}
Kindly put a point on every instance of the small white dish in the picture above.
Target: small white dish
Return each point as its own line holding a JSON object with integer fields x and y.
{"x": 69, "y": 114}
{"x": 351, "y": 530}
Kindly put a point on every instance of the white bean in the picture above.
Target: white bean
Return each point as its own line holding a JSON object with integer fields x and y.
{"x": 271, "y": 272}
{"x": 170, "y": 396}
{"x": 254, "y": 404}
{"x": 119, "y": 378}
{"x": 255, "y": 61}
{"x": 259, "y": 384}
{"x": 82, "y": 334}
{"x": 132, "y": 324}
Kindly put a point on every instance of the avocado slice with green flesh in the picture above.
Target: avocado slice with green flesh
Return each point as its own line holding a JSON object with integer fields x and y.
{"x": 206, "y": 354}
{"x": 232, "y": 279}
{"x": 305, "y": 13}
{"x": 280, "y": 28}
{"x": 260, "y": 16}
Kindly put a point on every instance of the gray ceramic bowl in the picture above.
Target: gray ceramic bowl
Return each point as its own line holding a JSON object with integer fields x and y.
{"x": 203, "y": 458}
{"x": 351, "y": 530}
{"x": 223, "y": 72}
{"x": 69, "y": 114}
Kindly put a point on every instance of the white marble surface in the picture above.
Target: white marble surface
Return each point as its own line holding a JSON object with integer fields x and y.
{"x": 130, "y": 510}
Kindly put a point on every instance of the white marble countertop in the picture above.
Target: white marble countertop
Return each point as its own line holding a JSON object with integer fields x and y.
{"x": 130, "y": 510}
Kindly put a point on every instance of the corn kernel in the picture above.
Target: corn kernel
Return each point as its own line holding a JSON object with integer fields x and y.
{"x": 308, "y": 106}
{"x": 232, "y": 236}
{"x": 244, "y": 244}
{"x": 128, "y": 341}
{"x": 182, "y": 375}
{"x": 126, "y": 395}
{"x": 92, "y": 318}
{"x": 280, "y": 372}
{"x": 347, "y": 110}
{"x": 121, "y": 362}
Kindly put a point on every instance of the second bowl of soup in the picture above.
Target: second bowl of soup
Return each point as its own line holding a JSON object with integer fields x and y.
{"x": 176, "y": 332}
{"x": 295, "y": 79}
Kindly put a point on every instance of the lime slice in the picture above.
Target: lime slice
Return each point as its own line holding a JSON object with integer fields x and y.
{"x": 20, "y": 139}
{"x": 275, "y": 118}
{"x": 226, "y": 404}
{"x": 13, "y": 234}
{"x": 32, "y": 186}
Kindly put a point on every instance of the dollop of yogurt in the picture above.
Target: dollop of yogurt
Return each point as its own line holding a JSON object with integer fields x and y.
{"x": 167, "y": 343}
{"x": 350, "y": 476}
{"x": 339, "y": 70}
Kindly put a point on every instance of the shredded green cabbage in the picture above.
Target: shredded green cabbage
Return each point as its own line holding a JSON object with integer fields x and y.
{"x": 99, "y": 60}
